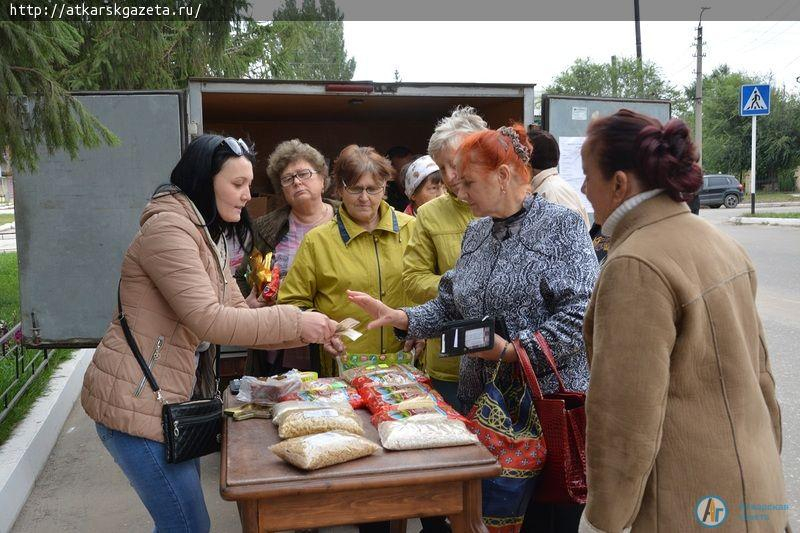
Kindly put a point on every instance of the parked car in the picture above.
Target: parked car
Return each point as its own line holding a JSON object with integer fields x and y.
{"x": 721, "y": 189}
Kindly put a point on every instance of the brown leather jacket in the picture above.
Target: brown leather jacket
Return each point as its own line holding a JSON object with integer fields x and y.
{"x": 177, "y": 291}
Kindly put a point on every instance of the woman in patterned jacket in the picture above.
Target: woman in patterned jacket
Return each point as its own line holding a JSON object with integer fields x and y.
{"x": 526, "y": 261}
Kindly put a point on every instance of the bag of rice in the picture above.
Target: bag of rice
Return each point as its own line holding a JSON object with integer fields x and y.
{"x": 427, "y": 429}
{"x": 283, "y": 409}
{"x": 323, "y": 449}
{"x": 319, "y": 420}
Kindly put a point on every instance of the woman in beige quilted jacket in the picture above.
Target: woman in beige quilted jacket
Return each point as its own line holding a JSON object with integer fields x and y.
{"x": 180, "y": 300}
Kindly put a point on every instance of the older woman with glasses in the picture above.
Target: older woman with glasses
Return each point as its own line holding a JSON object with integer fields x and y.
{"x": 361, "y": 250}
{"x": 299, "y": 171}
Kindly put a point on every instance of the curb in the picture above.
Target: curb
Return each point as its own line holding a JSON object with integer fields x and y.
{"x": 25, "y": 453}
{"x": 744, "y": 221}
{"x": 771, "y": 204}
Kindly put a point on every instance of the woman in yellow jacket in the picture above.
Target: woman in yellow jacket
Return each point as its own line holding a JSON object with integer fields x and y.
{"x": 435, "y": 244}
{"x": 361, "y": 249}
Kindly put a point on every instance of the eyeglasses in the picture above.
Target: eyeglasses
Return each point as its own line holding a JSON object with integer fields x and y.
{"x": 302, "y": 175}
{"x": 356, "y": 191}
{"x": 237, "y": 146}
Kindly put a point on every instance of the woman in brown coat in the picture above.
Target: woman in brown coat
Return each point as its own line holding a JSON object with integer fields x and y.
{"x": 683, "y": 427}
{"x": 179, "y": 297}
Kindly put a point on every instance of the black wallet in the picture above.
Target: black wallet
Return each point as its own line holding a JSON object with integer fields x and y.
{"x": 465, "y": 336}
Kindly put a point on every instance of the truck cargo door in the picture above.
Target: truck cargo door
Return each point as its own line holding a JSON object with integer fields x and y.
{"x": 76, "y": 218}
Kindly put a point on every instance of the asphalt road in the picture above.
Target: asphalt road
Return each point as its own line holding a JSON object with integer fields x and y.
{"x": 775, "y": 251}
{"x": 81, "y": 489}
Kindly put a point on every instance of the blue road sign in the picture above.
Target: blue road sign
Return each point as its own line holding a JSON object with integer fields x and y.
{"x": 754, "y": 100}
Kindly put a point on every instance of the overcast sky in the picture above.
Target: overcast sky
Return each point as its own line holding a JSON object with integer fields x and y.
{"x": 534, "y": 52}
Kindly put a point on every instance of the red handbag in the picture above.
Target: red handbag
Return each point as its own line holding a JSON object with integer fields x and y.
{"x": 563, "y": 419}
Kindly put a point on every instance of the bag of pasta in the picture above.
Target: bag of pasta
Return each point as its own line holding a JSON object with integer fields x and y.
{"x": 325, "y": 418}
{"x": 311, "y": 452}
{"x": 413, "y": 396}
{"x": 327, "y": 390}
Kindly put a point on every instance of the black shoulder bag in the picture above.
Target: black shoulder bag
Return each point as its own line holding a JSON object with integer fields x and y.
{"x": 191, "y": 429}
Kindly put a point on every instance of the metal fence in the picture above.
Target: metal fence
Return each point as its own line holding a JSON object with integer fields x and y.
{"x": 19, "y": 367}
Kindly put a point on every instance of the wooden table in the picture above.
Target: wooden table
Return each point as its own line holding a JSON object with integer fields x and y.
{"x": 275, "y": 496}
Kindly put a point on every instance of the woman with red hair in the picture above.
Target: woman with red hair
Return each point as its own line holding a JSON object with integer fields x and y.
{"x": 527, "y": 262}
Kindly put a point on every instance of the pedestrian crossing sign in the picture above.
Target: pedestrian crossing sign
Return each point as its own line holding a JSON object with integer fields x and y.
{"x": 754, "y": 100}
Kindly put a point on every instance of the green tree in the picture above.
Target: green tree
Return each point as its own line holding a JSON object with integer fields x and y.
{"x": 727, "y": 136}
{"x": 619, "y": 79}
{"x": 40, "y": 62}
{"x": 308, "y": 43}
{"x": 35, "y": 109}
{"x": 162, "y": 54}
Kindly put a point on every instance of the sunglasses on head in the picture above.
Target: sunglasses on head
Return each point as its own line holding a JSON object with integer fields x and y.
{"x": 237, "y": 146}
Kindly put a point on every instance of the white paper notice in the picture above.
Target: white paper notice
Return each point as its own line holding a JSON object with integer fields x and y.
{"x": 570, "y": 166}
{"x": 580, "y": 113}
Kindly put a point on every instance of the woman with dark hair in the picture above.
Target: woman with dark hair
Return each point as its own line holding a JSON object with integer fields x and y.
{"x": 180, "y": 300}
{"x": 526, "y": 262}
{"x": 683, "y": 426}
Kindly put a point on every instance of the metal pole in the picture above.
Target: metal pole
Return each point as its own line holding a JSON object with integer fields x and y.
{"x": 698, "y": 96}
{"x": 753, "y": 169}
{"x": 638, "y": 48}
{"x": 698, "y": 90}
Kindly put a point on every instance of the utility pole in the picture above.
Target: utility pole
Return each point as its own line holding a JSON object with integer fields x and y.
{"x": 698, "y": 90}
{"x": 640, "y": 75}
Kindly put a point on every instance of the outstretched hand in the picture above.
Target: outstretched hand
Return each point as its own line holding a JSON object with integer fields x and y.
{"x": 382, "y": 314}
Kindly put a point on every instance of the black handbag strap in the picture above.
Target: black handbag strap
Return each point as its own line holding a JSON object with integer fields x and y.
{"x": 138, "y": 355}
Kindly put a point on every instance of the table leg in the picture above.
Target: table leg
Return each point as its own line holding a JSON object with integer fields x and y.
{"x": 469, "y": 520}
{"x": 248, "y": 515}
{"x": 398, "y": 526}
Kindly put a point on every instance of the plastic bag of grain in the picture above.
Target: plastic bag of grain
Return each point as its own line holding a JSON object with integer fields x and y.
{"x": 420, "y": 429}
{"x": 283, "y": 409}
{"x": 323, "y": 449}
{"x": 319, "y": 420}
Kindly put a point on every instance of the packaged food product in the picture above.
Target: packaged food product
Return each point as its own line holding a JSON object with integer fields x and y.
{"x": 378, "y": 375}
{"x": 267, "y": 391}
{"x": 323, "y": 449}
{"x": 318, "y": 420}
{"x": 283, "y": 409}
{"x": 441, "y": 410}
{"x": 429, "y": 430}
{"x": 353, "y": 360}
{"x": 328, "y": 396}
{"x": 415, "y": 395}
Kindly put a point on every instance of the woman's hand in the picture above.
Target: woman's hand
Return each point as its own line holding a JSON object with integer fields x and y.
{"x": 335, "y": 347}
{"x": 383, "y": 314}
{"x": 418, "y": 345}
{"x": 316, "y": 328}
{"x": 493, "y": 354}
{"x": 255, "y": 301}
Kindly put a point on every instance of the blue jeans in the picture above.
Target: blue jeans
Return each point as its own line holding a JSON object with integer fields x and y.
{"x": 172, "y": 493}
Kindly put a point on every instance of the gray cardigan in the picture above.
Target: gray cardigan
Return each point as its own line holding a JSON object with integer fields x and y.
{"x": 538, "y": 279}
